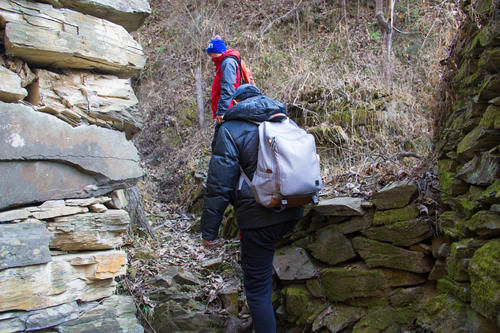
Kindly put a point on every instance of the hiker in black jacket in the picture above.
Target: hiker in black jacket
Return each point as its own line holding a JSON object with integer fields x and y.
{"x": 237, "y": 145}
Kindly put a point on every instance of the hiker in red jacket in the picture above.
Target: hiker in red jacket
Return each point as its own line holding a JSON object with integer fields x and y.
{"x": 227, "y": 79}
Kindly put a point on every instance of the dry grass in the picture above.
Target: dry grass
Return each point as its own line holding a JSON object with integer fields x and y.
{"x": 308, "y": 55}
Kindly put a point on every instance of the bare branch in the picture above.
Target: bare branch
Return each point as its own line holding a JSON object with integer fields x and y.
{"x": 279, "y": 19}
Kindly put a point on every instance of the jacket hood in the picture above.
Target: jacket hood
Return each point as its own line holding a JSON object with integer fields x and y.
{"x": 225, "y": 54}
{"x": 253, "y": 106}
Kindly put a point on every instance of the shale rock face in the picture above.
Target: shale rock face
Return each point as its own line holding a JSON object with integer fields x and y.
{"x": 65, "y": 159}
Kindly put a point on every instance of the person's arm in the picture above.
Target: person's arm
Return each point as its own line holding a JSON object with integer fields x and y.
{"x": 223, "y": 175}
{"x": 228, "y": 68}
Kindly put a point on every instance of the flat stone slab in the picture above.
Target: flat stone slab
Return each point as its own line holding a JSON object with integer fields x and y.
{"x": 128, "y": 13}
{"x": 84, "y": 277}
{"x": 90, "y": 231}
{"x": 395, "y": 195}
{"x": 24, "y": 244}
{"x": 341, "y": 206}
{"x": 64, "y": 162}
{"x": 404, "y": 233}
{"x": 10, "y": 86}
{"x": 63, "y": 38}
{"x": 294, "y": 263}
{"x": 378, "y": 254}
{"x": 80, "y": 97}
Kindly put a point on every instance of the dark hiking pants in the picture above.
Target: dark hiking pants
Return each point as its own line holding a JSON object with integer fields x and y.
{"x": 257, "y": 252}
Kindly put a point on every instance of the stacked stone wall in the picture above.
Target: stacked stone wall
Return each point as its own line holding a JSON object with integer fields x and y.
{"x": 67, "y": 114}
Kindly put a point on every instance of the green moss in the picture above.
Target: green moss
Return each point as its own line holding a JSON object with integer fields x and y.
{"x": 447, "y": 165}
{"x": 484, "y": 270}
{"x": 484, "y": 223}
{"x": 450, "y": 185}
{"x": 382, "y": 319}
{"x": 490, "y": 117}
{"x": 453, "y": 288}
{"x": 466, "y": 206}
{"x": 340, "y": 284}
{"x": 395, "y": 215}
{"x": 492, "y": 193}
{"x": 301, "y": 308}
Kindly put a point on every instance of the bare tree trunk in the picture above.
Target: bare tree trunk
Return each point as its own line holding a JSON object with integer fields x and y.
{"x": 389, "y": 47}
{"x": 136, "y": 210}
{"x": 346, "y": 29}
{"x": 386, "y": 28}
{"x": 199, "y": 97}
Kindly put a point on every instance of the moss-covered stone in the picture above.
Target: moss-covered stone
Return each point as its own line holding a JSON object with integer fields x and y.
{"x": 395, "y": 195}
{"x": 464, "y": 205}
{"x": 492, "y": 193}
{"x": 383, "y": 319}
{"x": 331, "y": 246}
{"x": 450, "y": 185}
{"x": 300, "y": 306}
{"x": 458, "y": 289}
{"x": 443, "y": 314}
{"x": 482, "y": 170}
{"x": 395, "y": 215}
{"x": 458, "y": 260}
{"x": 490, "y": 117}
{"x": 447, "y": 165}
{"x": 484, "y": 270}
{"x": 403, "y": 233}
{"x": 485, "y": 223}
{"x": 489, "y": 89}
{"x": 490, "y": 60}
{"x": 378, "y": 254}
{"x": 315, "y": 288}
{"x": 477, "y": 140}
{"x": 340, "y": 284}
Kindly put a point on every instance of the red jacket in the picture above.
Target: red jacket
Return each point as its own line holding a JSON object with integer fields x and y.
{"x": 227, "y": 80}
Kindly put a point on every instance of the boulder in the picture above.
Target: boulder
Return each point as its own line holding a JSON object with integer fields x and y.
{"x": 337, "y": 317}
{"x": 384, "y": 319}
{"x": 340, "y": 284}
{"x": 301, "y": 307}
{"x": 461, "y": 253}
{"x": 378, "y": 254}
{"x": 64, "y": 162}
{"x": 113, "y": 314}
{"x": 91, "y": 231}
{"x": 10, "y": 86}
{"x": 485, "y": 223}
{"x": 484, "y": 271}
{"x": 24, "y": 244}
{"x": 128, "y": 13}
{"x": 84, "y": 277}
{"x": 63, "y": 38}
{"x": 482, "y": 170}
{"x": 383, "y": 217}
{"x": 403, "y": 233}
{"x": 331, "y": 246}
{"x": 395, "y": 195}
{"x": 457, "y": 289}
{"x": 293, "y": 263}
{"x": 477, "y": 140}
{"x": 79, "y": 97}
{"x": 341, "y": 206}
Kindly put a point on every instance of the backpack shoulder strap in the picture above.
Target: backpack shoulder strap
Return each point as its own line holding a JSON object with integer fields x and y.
{"x": 239, "y": 65}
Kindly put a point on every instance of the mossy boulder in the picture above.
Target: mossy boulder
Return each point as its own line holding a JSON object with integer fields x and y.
{"x": 403, "y": 233}
{"x": 452, "y": 224}
{"x": 331, "y": 246}
{"x": 485, "y": 223}
{"x": 465, "y": 205}
{"x": 489, "y": 88}
{"x": 484, "y": 271}
{"x": 478, "y": 140}
{"x": 340, "y": 284}
{"x": 492, "y": 193}
{"x": 482, "y": 170}
{"x": 459, "y": 290}
{"x": 378, "y": 254}
{"x": 395, "y": 215}
{"x": 301, "y": 308}
{"x": 461, "y": 253}
{"x": 443, "y": 314}
{"x": 491, "y": 117}
{"x": 395, "y": 195}
{"x": 450, "y": 185}
{"x": 490, "y": 60}
{"x": 384, "y": 319}
{"x": 338, "y": 317}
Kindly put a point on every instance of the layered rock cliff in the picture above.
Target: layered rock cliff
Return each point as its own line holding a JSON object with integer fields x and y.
{"x": 67, "y": 113}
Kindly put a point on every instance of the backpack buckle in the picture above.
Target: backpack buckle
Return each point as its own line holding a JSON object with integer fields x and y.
{"x": 315, "y": 200}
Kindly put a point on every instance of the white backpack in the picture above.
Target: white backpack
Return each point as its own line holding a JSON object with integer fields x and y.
{"x": 288, "y": 172}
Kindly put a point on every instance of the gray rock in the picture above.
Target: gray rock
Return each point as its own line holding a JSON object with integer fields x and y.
{"x": 355, "y": 224}
{"x": 39, "y": 166}
{"x": 481, "y": 170}
{"x": 341, "y": 206}
{"x": 16, "y": 214}
{"x": 293, "y": 263}
{"x": 378, "y": 254}
{"x": 24, "y": 244}
{"x": 404, "y": 233}
{"x": 63, "y": 38}
{"x": 10, "y": 86}
{"x": 128, "y": 13}
{"x": 331, "y": 246}
{"x": 91, "y": 231}
{"x": 395, "y": 195}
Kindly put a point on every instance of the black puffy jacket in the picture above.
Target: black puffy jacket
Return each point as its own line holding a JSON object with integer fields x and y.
{"x": 237, "y": 145}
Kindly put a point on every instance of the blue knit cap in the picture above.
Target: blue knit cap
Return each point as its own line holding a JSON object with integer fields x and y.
{"x": 216, "y": 45}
